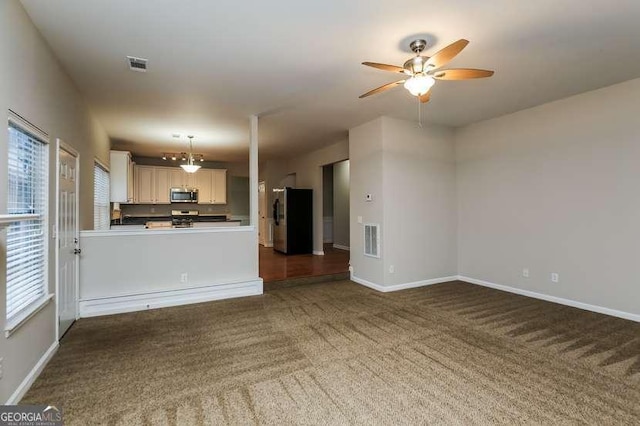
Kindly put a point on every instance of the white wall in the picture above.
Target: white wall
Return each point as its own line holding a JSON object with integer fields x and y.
{"x": 117, "y": 265}
{"x": 341, "y": 204}
{"x": 410, "y": 172}
{"x": 37, "y": 88}
{"x": 420, "y": 224}
{"x": 555, "y": 189}
{"x": 365, "y": 163}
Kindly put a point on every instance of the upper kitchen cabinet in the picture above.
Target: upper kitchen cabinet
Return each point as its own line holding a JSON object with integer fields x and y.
{"x": 212, "y": 186}
{"x": 152, "y": 184}
{"x": 179, "y": 178}
{"x": 121, "y": 174}
{"x": 163, "y": 185}
{"x": 204, "y": 181}
{"x": 145, "y": 185}
{"x": 219, "y": 186}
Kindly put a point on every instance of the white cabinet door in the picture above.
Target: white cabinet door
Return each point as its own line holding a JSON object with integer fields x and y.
{"x": 190, "y": 179}
{"x": 121, "y": 182}
{"x": 177, "y": 178}
{"x": 204, "y": 181}
{"x": 162, "y": 185}
{"x": 219, "y": 186}
{"x": 145, "y": 184}
{"x": 130, "y": 182}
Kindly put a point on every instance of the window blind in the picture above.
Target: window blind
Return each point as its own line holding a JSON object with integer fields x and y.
{"x": 101, "y": 216}
{"x": 26, "y": 245}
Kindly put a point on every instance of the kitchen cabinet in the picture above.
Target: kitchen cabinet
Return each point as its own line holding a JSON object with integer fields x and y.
{"x": 176, "y": 177}
{"x": 152, "y": 184}
{"x": 145, "y": 185}
{"x": 219, "y": 186}
{"x": 121, "y": 177}
{"x": 204, "y": 179}
{"x": 212, "y": 186}
{"x": 162, "y": 185}
{"x": 181, "y": 179}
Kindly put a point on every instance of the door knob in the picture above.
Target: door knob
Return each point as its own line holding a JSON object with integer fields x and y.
{"x": 77, "y": 251}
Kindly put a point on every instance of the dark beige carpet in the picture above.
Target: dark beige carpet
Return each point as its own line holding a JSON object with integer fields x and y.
{"x": 339, "y": 353}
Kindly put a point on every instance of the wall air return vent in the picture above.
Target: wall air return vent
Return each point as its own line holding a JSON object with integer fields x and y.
{"x": 372, "y": 240}
{"x": 137, "y": 64}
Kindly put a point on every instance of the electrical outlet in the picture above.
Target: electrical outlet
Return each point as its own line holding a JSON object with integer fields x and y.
{"x": 184, "y": 277}
{"x": 525, "y": 272}
{"x": 555, "y": 277}
{"x": 392, "y": 269}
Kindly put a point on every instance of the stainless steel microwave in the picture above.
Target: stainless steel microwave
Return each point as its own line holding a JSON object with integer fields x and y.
{"x": 183, "y": 195}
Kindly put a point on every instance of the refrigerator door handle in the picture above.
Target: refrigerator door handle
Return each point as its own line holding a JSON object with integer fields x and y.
{"x": 276, "y": 205}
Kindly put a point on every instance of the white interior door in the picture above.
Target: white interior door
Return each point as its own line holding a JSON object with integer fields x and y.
{"x": 262, "y": 213}
{"x": 67, "y": 238}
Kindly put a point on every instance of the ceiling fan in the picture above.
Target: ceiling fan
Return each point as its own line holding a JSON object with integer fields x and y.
{"x": 423, "y": 71}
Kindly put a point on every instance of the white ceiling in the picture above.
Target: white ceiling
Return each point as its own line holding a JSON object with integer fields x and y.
{"x": 297, "y": 63}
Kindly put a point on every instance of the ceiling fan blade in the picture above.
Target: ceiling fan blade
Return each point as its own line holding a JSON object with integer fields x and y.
{"x": 381, "y": 88}
{"x": 461, "y": 74}
{"x": 384, "y": 67}
{"x": 442, "y": 57}
{"x": 425, "y": 98}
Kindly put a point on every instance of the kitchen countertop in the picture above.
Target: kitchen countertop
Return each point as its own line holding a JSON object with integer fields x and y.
{"x": 141, "y": 220}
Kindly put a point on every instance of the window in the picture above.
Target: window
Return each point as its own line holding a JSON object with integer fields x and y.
{"x": 26, "y": 240}
{"x": 101, "y": 217}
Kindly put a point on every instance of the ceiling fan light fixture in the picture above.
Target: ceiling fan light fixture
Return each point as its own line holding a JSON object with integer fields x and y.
{"x": 420, "y": 84}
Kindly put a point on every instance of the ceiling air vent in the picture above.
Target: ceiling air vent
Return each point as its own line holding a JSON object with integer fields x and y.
{"x": 137, "y": 64}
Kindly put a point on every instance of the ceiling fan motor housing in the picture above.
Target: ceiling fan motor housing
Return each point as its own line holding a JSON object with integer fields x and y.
{"x": 418, "y": 45}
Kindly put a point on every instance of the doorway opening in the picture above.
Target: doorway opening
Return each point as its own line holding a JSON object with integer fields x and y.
{"x": 335, "y": 205}
{"x": 276, "y": 268}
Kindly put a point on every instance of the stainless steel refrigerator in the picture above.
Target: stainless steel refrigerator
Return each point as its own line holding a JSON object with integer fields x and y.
{"x": 292, "y": 220}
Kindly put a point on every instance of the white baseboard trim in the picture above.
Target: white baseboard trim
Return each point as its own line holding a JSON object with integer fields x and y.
{"x": 554, "y": 299}
{"x": 318, "y": 252}
{"x": 33, "y": 375}
{"x": 163, "y": 299}
{"x": 341, "y": 247}
{"x": 403, "y": 286}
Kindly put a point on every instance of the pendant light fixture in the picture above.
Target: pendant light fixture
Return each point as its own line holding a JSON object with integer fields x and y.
{"x": 190, "y": 167}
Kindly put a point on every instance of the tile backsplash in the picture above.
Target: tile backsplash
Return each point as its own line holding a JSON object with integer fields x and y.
{"x": 165, "y": 209}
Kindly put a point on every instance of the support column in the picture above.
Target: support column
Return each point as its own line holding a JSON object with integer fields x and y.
{"x": 253, "y": 182}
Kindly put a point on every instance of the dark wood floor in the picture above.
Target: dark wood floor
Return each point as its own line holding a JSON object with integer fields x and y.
{"x": 276, "y": 266}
